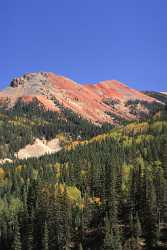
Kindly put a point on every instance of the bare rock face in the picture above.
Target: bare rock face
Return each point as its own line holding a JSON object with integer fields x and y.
{"x": 30, "y": 77}
{"x": 99, "y": 103}
{"x": 16, "y": 82}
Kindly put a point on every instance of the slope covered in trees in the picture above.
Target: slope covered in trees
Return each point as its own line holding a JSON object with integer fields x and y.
{"x": 23, "y": 123}
{"x": 162, "y": 97}
{"x": 107, "y": 192}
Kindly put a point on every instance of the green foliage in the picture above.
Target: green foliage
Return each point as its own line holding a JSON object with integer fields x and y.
{"x": 17, "y": 237}
{"x": 136, "y": 106}
{"x": 24, "y": 122}
{"x": 60, "y": 201}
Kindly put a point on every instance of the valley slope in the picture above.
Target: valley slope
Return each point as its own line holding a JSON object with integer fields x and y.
{"x": 87, "y": 166}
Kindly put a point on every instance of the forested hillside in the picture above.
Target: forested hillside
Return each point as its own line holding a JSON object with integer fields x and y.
{"x": 157, "y": 95}
{"x": 104, "y": 192}
{"x": 21, "y": 124}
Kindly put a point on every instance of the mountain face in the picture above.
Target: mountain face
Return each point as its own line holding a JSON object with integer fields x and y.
{"x": 68, "y": 183}
{"x": 105, "y": 102}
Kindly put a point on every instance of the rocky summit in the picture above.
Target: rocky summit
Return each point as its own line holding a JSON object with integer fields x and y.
{"x": 103, "y": 102}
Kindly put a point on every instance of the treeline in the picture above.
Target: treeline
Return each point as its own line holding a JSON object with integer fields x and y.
{"x": 162, "y": 97}
{"x": 24, "y": 122}
{"x": 139, "y": 107}
{"x": 109, "y": 192}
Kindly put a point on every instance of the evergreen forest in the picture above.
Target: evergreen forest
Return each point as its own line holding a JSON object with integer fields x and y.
{"x": 105, "y": 190}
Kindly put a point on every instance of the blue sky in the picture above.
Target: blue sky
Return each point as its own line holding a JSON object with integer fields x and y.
{"x": 86, "y": 40}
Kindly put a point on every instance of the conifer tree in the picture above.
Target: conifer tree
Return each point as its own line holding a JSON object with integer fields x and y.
{"x": 17, "y": 237}
{"x": 45, "y": 238}
{"x": 108, "y": 240}
{"x": 29, "y": 234}
{"x": 164, "y": 160}
{"x": 150, "y": 226}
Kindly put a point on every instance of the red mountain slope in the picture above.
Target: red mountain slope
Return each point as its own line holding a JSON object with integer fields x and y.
{"x": 97, "y": 102}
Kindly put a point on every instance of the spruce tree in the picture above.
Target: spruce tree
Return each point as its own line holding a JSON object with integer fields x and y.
{"x": 108, "y": 240}
{"x": 164, "y": 160}
{"x": 45, "y": 238}
{"x": 150, "y": 225}
{"x": 17, "y": 237}
{"x": 29, "y": 234}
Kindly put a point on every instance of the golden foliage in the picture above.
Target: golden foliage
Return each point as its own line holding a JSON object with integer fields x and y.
{"x": 2, "y": 173}
{"x": 73, "y": 193}
{"x": 136, "y": 128}
{"x": 95, "y": 200}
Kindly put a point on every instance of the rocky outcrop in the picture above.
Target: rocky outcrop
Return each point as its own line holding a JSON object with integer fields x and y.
{"x": 103, "y": 102}
{"x": 16, "y": 82}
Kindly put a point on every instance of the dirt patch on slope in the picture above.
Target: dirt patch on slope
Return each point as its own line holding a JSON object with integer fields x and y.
{"x": 39, "y": 148}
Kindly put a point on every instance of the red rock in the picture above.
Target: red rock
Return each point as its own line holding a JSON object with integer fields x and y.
{"x": 86, "y": 100}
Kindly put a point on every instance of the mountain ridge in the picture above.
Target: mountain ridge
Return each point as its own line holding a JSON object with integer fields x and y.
{"x": 100, "y": 103}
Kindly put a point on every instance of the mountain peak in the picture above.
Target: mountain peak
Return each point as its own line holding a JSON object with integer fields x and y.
{"x": 96, "y": 102}
{"x": 28, "y": 78}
